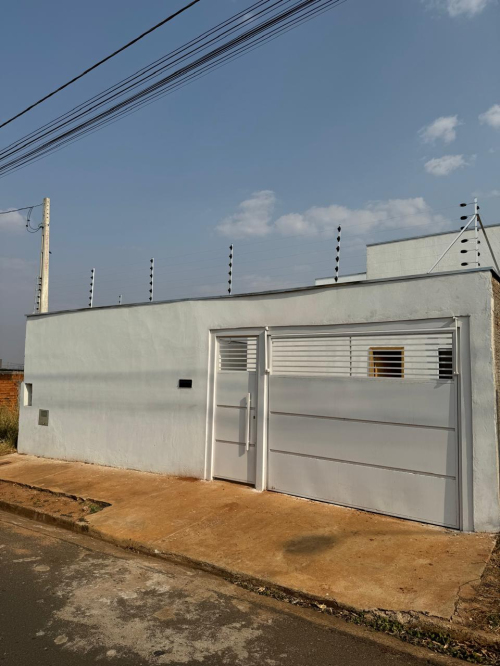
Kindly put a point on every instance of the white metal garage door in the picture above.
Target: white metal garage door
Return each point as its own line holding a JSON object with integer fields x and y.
{"x": 368, "y": 421}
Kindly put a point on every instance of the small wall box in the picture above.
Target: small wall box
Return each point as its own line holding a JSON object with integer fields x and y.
{"x": 43, "y": 417}
{"x": 185, "y": 383}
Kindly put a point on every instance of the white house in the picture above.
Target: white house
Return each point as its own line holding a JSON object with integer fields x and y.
{"x": 378, "y": 394}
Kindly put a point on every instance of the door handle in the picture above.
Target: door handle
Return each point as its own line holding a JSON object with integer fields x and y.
{"x": 247, "y": 430}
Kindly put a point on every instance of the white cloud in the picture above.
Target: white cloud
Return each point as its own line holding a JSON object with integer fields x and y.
{"x": 491, "y": 117}
{"x": 442, "y": 128}
{"x": 297, "y": 224}
{"x": 252, "y": 217}
{"x": 443, "y": 166}
{"x": 456, "y": 8}
{"x": 379, "y": 215}
{"x": 11, "y": 221}
{"x": 374, "y": 221}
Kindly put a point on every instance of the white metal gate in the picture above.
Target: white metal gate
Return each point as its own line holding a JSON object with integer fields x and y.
{"x": 235, "y": 409}
{"x": 367, "y": 420}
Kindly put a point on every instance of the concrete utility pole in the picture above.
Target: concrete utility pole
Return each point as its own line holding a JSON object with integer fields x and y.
{"x": 44, "y": 259}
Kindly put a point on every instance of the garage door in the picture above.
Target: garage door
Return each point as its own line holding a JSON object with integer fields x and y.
{"x": 367, "y": 421}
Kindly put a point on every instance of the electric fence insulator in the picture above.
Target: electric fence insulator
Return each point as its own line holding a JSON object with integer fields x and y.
{"x": 91, "y": 291}
{"x": 230, "y": 272}
{"x": 337, "y": 258}
{"x": 151, "y": 278}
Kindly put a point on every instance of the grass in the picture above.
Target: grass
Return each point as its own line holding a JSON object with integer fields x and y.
{"x": 94, "y": 508}
{"x": 438, "y": 641}
{"x": 9, "y": 426}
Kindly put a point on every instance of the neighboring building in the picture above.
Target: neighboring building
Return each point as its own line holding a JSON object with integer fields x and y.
{"x": 413, "y": 256}
{"x": 11, "y": 378}
{"x": 378, "y": 395}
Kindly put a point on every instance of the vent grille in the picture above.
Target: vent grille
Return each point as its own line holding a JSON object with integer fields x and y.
{"x": 419, "y": 356}
{"x": 238, "y": 354}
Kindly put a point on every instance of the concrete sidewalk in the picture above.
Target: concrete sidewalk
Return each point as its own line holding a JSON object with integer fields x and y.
{"x": 359, "y": 560}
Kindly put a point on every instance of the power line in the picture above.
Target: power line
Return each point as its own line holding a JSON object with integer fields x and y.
{"x": 15, "y": 210}
{"x": 145, "y": 70}
{"x": 101, "y": 62}
{"x": 177, "y": 87}
{"x": 19, "y": 154}
{"x": 39, "y": 136}
{"x": 144, "y": 74}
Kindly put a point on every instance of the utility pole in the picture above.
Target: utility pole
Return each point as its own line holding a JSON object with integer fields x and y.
{"x": 44, "y": 258}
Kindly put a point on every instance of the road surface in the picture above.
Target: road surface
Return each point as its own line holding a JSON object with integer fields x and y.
{"x": 68, "y": 600}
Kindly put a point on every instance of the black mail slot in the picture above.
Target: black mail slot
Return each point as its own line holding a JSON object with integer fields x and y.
{"x": 185, "y": 383}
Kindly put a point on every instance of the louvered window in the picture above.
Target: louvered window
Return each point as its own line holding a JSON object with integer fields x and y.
{"x": 417, "y": 356}
{"x": 237, "y": 354}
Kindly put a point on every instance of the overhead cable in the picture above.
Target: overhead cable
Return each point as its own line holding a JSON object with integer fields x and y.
{"x": 100, "y": 62}
{"x": 15, "y": 210}
{"x": 75, "y": 125}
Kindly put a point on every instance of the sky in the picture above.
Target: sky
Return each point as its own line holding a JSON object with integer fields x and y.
{"x": 378, "y": 116}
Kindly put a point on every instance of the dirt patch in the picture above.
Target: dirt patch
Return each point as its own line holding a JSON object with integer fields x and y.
{"x": 48, "y": 502}
{"x": 479, "y": 606}
{"x": 6, "y": 448}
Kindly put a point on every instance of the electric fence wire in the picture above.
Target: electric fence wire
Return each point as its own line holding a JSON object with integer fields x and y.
{"x": 249, "y": 249}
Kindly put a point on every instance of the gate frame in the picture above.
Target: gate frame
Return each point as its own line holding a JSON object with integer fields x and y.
{"x": 459, "y": 326}
{"x": 261, "y": 413}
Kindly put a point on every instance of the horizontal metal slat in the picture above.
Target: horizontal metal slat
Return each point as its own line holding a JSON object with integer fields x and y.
{"x": 427, "y": 356}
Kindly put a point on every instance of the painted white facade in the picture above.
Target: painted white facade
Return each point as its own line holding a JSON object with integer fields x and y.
{"x": 109, "y": 376}
{"x": 416, "y": 256}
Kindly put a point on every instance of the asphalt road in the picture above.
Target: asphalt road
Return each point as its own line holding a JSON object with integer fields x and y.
{"x": 68, "y": 600}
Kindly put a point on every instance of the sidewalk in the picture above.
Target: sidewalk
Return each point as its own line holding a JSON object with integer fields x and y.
{"x": 359, "y": 560}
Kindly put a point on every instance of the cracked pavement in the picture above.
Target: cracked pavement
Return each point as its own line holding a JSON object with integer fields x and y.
{"x": 67, "y": 599}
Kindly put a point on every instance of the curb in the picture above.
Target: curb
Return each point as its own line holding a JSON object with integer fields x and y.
{"x": 372, "y": 618}
{"x": 47, "y": 518}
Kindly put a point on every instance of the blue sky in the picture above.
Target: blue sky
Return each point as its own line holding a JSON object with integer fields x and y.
{"x": 381, "y": 116}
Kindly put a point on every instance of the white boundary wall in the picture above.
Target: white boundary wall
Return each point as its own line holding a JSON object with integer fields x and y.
{"x": 109, "y": 376}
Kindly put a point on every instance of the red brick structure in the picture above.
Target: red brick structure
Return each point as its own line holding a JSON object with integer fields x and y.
{"x": 10, "y": 382}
